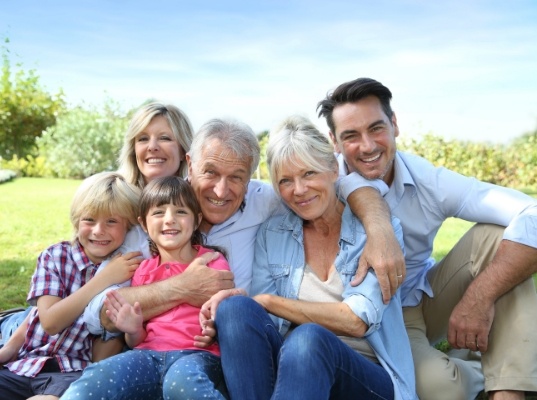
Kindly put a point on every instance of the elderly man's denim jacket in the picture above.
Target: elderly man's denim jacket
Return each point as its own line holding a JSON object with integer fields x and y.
{"x": 279, "y": 268}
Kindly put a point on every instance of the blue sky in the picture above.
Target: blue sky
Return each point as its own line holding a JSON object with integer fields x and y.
{"x": 460, "y": 69}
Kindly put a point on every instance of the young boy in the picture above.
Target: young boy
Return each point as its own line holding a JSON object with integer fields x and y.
{"x": 57, "y": 346}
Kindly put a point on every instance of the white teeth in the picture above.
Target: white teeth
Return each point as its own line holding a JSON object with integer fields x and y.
{"x": 170, "y": 232}
{"x": 155, "y": 160}
{"x": 217, "y": 203}
{"x": 374, "y": 158}
{"x": 100, "y": 242}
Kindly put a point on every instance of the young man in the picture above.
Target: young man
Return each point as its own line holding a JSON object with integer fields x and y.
{"x": 481, "y": 295}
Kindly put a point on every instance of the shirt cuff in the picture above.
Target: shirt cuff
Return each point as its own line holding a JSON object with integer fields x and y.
{"x": 523, "y": 229}
{"x": 354, "y": 181}
{"x": 92, "y": 312}
{"x": 365, "y": 310}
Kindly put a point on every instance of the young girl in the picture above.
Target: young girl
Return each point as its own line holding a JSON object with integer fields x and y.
{"x": 164, "y": 362}
{"x": 54, "y": 346}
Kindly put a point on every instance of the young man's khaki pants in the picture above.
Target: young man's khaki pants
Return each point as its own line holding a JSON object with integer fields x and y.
{"x": 510, "y": 362}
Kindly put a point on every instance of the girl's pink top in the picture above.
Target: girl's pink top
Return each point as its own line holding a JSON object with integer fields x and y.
{"x": 176, "y": 328}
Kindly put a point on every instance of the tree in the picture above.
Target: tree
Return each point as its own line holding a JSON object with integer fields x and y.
{"x": 26, "y": 109}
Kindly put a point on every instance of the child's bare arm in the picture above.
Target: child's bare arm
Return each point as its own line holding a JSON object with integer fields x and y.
{"x": 56, "y": 314}
{"x": 102, "y": 349}
{"x": 11, "y": 348}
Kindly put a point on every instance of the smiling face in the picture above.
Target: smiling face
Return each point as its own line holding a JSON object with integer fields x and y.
{"x": 100, "y": 236}
{"x": 157, "y": 151}
{"x": 170, "y": 227}
{"x": 366, "y": 138}
{"x": 220, "y": 180}
{"x": 310, "y": 194}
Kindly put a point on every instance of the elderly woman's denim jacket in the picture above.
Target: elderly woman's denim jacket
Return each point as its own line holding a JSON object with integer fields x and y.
{"x": 279, "y": 268}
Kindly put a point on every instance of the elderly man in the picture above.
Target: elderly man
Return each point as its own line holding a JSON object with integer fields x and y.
{"x": 223, "y": 156}
{"x": 481, "y": 296}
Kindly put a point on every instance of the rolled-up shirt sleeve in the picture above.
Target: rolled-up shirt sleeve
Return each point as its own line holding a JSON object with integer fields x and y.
{"x": 349, "y": 182}
{"x": 136, "y": 240}
{"x": 92, "y": 312}
{"x": 365, "y": 301}
{"x": 353, "y": 181}
{"x": 523, "y": 228}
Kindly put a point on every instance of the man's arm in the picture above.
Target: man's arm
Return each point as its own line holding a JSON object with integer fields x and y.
{"x": 472, "y": 318}
{"x": 382, "y": 251}
{"x": 194, "y": 286}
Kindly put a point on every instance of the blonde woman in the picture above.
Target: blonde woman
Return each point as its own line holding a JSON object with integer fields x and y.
{"x": 155, "y": 144}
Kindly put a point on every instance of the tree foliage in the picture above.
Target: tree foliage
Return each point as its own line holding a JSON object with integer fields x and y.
{"x": 262, "y": 169}
{"x": 26, "y": 109}
{"x": 512, "y": 165}
{"x": 84, "y": 141}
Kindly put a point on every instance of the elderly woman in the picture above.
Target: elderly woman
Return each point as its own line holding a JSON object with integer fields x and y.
{"x": 307, "y": 333}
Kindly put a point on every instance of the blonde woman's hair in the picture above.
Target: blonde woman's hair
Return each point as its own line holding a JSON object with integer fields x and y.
{"x": 105, "y": 193}
{"x": 297, "y": 141}
{"x": 179, "y": 125}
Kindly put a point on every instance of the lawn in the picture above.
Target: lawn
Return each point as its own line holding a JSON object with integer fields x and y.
{"x": 34, "y": 214}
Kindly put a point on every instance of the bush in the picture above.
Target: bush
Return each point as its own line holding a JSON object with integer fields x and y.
{"x": 7, "y": 175}
{"x": 510, "y": 165}
{"x": 83, "y": 141}
{"x": 29, "y": 166}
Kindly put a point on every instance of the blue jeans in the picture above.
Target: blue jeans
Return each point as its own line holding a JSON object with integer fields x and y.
{"x": 311, "y": 363}
{"x": 148, "y": 374}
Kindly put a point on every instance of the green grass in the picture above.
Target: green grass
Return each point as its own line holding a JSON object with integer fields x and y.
{"x": 34, "y": 214}
{"x": 450, "y": 232}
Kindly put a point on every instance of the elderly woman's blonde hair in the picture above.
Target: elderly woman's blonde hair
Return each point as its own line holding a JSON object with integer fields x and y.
{"x": 297, "y": 141}
{"x": 105, "y": 193}
{"x": 180, "y": 126}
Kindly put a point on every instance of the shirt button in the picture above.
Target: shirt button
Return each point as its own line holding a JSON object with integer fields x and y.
{"x": 167, "y": 266}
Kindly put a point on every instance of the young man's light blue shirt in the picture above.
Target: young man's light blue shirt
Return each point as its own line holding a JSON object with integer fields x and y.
{"x": 422, "y": 197}
{"x": 279, "y": 269}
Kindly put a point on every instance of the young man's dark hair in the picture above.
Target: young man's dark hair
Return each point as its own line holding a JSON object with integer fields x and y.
{"x": 351, "y": 92}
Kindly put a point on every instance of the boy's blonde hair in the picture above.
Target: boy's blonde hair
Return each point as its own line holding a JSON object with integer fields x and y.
{"x": 105, "y": 193}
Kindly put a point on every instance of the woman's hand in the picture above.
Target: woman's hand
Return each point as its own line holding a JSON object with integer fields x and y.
{"x": 208, "y": 314}
{"x": 208, "y": 310}
{"x": 208, "y": 333}
{"x": 262, "y": 300}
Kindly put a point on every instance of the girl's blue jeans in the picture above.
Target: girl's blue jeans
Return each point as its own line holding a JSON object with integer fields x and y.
{"x": 311, "y": 363}
{"x": 148, "y": 374}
